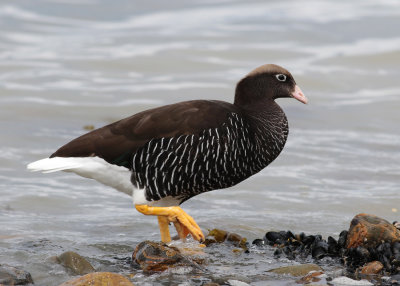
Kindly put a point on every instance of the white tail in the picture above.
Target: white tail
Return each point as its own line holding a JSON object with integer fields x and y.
{"x": 89, "y": 167}
{"x": 50, "y": 165}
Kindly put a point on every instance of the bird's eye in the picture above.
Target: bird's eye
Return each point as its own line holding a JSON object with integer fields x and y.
{"x": 280, "y": 77}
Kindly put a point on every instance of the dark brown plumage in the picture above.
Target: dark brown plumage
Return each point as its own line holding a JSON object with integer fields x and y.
{"x": 187, "y": 148}
{"x": 116, "y": 143}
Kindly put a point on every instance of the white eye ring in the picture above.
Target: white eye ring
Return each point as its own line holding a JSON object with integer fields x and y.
{"x": 280, "y": 77}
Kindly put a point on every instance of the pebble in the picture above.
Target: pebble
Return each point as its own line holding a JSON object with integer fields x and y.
{"x": 373, "y": 267}
{"x": 99, "y": 279}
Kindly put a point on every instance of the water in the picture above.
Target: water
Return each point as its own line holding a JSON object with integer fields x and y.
{"x": 67, "y": 64}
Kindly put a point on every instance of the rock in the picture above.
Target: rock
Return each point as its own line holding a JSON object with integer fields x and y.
{"x": 373, "y": 267}
{"x": 300, "y": 245}
{"x": 342, "y": 238}
{"x": 319, "y": 249}
{"x": 218, "y": 235}
{"x": 310, "y": 277}
{"x": 233, "y": 282}
{"x": 333, "y": 246}
{"x": 10, "y": 275}
{"x": 75, "y": 263}
{"x": 99, "y": 279}
{"x": 274, "y": 237}
{"x": 237, "y": 240}
{"x": 347, "y": 281}
{"x": 157, "y": 257}
{"x": 258, "y": 242}
{"x": 369, "y": 231}
{"x": 296, "y": 270}
{"x": 386, "y": 253}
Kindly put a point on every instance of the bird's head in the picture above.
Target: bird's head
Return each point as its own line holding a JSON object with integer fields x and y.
{"x": 267, "y": 82}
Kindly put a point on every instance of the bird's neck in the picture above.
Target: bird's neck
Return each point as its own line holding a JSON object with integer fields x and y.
{"x": 270, "y": 127}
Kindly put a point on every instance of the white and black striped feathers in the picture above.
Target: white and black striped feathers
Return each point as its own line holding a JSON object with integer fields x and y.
{"x": 216, "y": 158}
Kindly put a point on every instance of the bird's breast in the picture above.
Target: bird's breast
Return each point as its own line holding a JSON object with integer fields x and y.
{"x": 186, "y": 165}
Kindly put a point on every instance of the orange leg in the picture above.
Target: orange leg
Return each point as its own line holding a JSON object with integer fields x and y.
{"x": 181, "y": 230}
{"x": 164, "y": 229}
{"x": 183, "y": 222}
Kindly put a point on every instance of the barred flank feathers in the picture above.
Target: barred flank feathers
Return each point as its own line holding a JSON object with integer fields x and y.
{"x": 216, "y": 158}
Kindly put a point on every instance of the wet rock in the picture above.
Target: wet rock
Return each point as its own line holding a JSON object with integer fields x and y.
{"x": 300, "y": 245}
{"x": 289, "y": 252}
{"x": 319, "y": 249}
{"x": 333, "y": 246}
{"x": 308, "y": 239}
{"x": 10, "y": 275}
{"x": 373, "y": 267}
{"x": 75, "y": 263}
{"x": 237, "y": 240}
{"x": 277, "y": 238}
{"x": 219, "y": 236}
{"x": 99, "y": 278}
{"x": 342, "y": 238}
{"x": 157, "y": 257}
{"x": 296, "y": 270}
{"x": 258, "y": 242}
{"x": 278, "y": 252}
{"x": 369, "y": 231}
{"x": 274, "y": 237}
{"x": 233, "y": 282}
{"x": 310, "y": 277}
{"x": 374, "y": 239}
{"x": 358, "y": 256}
{"x": 192, "y": 251}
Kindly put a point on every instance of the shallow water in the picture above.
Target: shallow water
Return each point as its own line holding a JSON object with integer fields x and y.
{"x": 67, "y": 64}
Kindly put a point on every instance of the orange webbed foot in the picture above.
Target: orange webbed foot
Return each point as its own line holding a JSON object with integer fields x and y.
{"x": 183, "y": 222}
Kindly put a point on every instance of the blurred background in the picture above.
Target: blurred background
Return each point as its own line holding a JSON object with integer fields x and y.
{"x": 66, "y": 65}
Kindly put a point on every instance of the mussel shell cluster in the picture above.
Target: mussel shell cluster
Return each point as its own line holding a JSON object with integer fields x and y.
{"x": 387, "y": 253}
{"x": 302, "y": 246}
